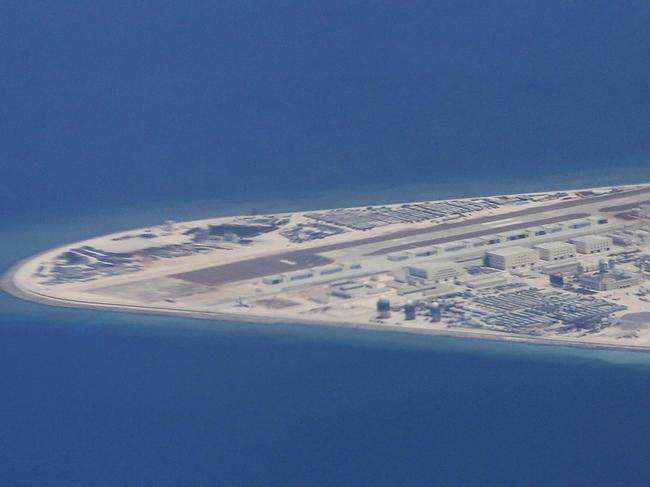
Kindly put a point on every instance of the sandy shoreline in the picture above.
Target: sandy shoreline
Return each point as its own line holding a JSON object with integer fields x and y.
{"x": 23, "y": 288}
{"x": 8, "y": 286}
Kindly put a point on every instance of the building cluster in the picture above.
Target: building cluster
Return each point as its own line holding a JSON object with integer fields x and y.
{"x": 131, "y": 252}
{"x": 305, "y": 274}
{"x": 642, "y": 212}
{"x": 515, "y": 308}
{"x": 631, "y": 235}
{"x": 303, "y": 232}
{"x": 430, "y": 310}
{"x": 87, "y": 263}
{"x": 481, "y": 280}
{"x": 550, "y": 252}
{"x": 516, "y": 257}
{"x": 530, "y": 310}
{"x": 377, "y": 216}
{"x": 608, "y": 278}
{"x": 240, "y": 230}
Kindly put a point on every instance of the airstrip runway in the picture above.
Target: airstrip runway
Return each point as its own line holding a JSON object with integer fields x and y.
{"x": 309, "y": 258}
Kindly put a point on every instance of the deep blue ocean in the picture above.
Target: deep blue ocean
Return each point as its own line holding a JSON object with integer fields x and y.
{"x": 119, "y": 114}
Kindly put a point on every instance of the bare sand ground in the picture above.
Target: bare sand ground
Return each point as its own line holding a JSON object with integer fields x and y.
{"x": 7, "y": 284}
{"x": 18, "y": 280}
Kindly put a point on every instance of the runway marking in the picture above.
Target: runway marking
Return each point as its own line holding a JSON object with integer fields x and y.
{"x": 288, "y": 262}
{"x": 499, "y": 222}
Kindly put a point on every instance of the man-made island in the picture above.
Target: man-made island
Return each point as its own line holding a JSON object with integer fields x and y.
{"x": 564, "y": 267}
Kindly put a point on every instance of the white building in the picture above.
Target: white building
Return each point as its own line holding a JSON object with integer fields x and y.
{"x": 553, "y": 228}
{"x": 272, "y": 279}
{"x": 435, "y": 272}
{"x": 298, "y": 275}
{"x": 592, "y": 244}
{"x": 397, "y": 256}
{"x": 537, "y": 232}
{"x": 512, "y": 258}
{"x": 610, "y": 280}
{"x": 491, "y": 239}
{"x": 330, "y": 269}
{"x": 487, "y": 280}
{"x": 426, "y": 252}
{"x": 578, "y": 224}
{"x": 556, "y": 250}
{"x": 514, "y": 235}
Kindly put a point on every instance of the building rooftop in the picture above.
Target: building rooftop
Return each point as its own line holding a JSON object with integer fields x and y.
{"x": 510, "y": 251}
{"x": 553, "y": 245}
{"x": 590, "y": 238}
{"x": 513, "y": 233}
{"x": 431, "y": 266}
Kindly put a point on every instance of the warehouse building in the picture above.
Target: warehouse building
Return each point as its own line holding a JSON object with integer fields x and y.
{"x": 512, "y": 258}
{"x": 397, "y": 256}
{"x": 537, "y": 232}
{"x": 330, "y": 269}
{"x": 556, "y": 251}
{"x": 487, "y": 280}
{"x": 455, "y": 247}
{"x": 592, "y": 244}
{"x": 569, "y": 266}
{"x": 553, "y": 228}
{"x": 435, "y": 272}
{"x": 298, "y": 275}
{"x": 515, "y": 235}
{"x": 272, "y": 279}
{"x": 426, "y": 252}
{"x": 578, "y": 224}
{"x": 491, "y": 239}
{"x": 598, "y": 220}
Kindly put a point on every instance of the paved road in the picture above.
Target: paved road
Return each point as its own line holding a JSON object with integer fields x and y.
{"x": 629, "y": 206}
{"x": 253, "y": 268}
{"x": 479, "y": 233}
{"x": 303, "y": 259}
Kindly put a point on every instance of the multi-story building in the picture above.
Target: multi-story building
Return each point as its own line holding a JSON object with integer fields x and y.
{"x": 556, "y": 250}
{"x": 592, "y": 244}
{"x": 435, "y": 272}
{"x": 511, "y": 258}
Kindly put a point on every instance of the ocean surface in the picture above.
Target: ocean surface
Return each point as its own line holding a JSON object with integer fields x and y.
{"x": 125, "y": 114}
